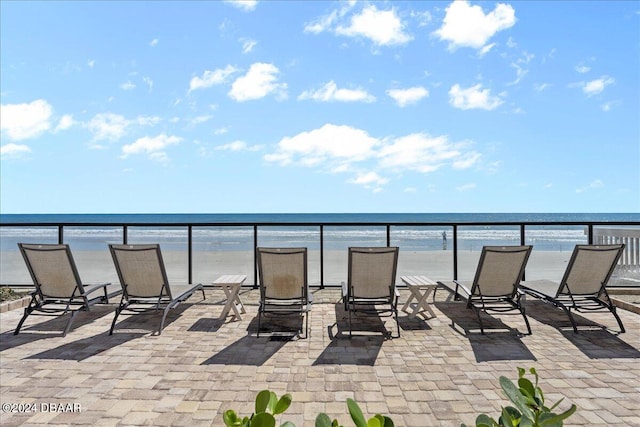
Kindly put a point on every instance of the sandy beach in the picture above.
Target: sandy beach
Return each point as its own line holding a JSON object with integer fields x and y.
{"x": 97, "y": 266}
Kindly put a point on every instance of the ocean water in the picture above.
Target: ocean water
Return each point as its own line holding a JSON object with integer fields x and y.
{"x": 235, "y": 231}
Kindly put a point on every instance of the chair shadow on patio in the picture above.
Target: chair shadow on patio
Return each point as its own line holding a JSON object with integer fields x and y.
{"x": 149, "y": 321}
{"x": 499, "y": 342}
{"x": 248, "y": 350}
{"x": 33, "y": 332}
{"x": 85, "y": 348}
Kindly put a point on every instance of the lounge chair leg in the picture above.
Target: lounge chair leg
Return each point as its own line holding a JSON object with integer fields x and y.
{"x": 397, "y": 323}
{"x": 259, "y": 318}
{"x": 115, "y": 318}
{"x": 68, "y": 327}
{"x": 349, "y": 323}
{"x": 164, "y": 316}
{"x": 573, "y": 322}
{"x": 526, "y": 321}
{"x": 480, "y": 321}
{"x": 615, "y": 314}
{"x": 24, "y": 317}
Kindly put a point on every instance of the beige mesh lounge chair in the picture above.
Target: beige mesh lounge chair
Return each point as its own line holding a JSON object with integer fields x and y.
{"x": 58, "y": 288}
{"x": 371, "y": 279}
{"x": 284, "y": 289}
{"x": 583, "y": 286}
{"x": 145, "y": 286}
{"x": 495, "y": 285}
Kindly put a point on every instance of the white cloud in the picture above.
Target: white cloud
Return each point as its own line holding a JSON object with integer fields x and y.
{"x": 248, "y": 45}
{"x": 466, "y": 187}
{"x": 152, "y": 146}
{"x": 245, "y": 5}
{"x": 539, "y": 87}
{"x": 91, "y": 63}
{"x": 210, "y": 78}
{"x": 24, "y": 121}
{"x": 330, "y": 92}
{"x": 153, "y": 43}
{"x": 238, "y": 146}
{"x": 473, "y": 98}
{"x": 260, "y": 81}
{"x": 468, "y": 26}
{"x": 595, "y": 87}
{"x": 404, "y": 97}
{"x": 592, "y": 185}
{"x": 344, "y": 149}
{"x": 65, "y": 122}
{"x": 127, "y": 86}
{"x": 200, "y": 119}
{"x": 12, "y": 150}
{"x": 423, "y": 153}
{"x": 582, "y": 69}
{"x": 383, "y": 27}
{"x": 148, "y": 82}
{"x": 112, "y": 127}
{"x": 335, "y": 143}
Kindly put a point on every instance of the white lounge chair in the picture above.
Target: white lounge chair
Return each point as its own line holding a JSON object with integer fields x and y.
{"x": 145, "y": 286}
{"x": 495, "y": 285}
{"x": 371, "y": 279}
{"x": 58, "y": 288}
{"x": 284, "y": 289}
{"x": 583, "y": 287}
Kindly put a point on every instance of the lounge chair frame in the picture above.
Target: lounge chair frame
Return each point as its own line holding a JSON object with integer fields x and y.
{"x": 505, "y": 297}
{"x": 58, "y": 288}
{"x": 356, "y": 296}
{"x": 149, "y": 292}
{"x": 579, "y": 292}
{"x": 284, "y": 287}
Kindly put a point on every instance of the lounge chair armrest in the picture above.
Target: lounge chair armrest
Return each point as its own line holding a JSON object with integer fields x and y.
{"x": 462, "y": 290}
{"x": 89, "y": 289}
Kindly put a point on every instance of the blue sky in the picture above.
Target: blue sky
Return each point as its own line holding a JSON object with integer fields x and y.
{"x": 226, "y": 107}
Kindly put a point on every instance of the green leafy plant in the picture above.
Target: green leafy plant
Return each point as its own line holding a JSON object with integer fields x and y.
{"x": 357, "y": 416}
{"x": 529, "y": 410}
{"x": 267, "y": 407}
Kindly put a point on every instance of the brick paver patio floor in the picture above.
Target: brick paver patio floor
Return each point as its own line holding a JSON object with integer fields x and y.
{"x": 441, "y": 372}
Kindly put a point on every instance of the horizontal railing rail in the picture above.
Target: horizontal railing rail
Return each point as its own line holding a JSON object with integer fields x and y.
{"x": 520, "y": 227}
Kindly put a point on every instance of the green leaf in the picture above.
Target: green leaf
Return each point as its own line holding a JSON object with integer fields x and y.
{"x": 511, "y": 415}
{"x": 374, "y": 422}
{"x": 282, "y": 404}
{"x": 356, "y": 413}
{"x": 552, "y": 420}
{"x": 556, "y": 404}
{"x": 484, "y": 420}
{"x": 388, "y": 422}
{"x": 323, "y": 420}
{"x": 230, "y": 418}
{"x": 262, "y": 401}
{"x": 287, "y": 424}
{"x": 526, "y": 387}
{"x": 514, "y": 395}
{"x": 263, "y": 419}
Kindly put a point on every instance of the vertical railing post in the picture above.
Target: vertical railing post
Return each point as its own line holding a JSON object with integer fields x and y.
{"x": 255, "y": 255}
{"x": 388, "y": 235}
{"x": 190, "y": 252}
{"x": 590, "y": 234}
{"x": 522, "y": 241}
{"x": 321, "y": 256}
{"x": 125, "y": 235}
{"x": 455, "y": 252}
{"x": 60, "y": 234}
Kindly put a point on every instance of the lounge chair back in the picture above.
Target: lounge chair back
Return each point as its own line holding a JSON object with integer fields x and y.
{"x": 141, "y": 270}
{"x": 372, "y": 272}
{"x": 500, "y": 270}
{"x": 590, "y": 268}
{"x": 52, "y": 269}
{"x": 283, "y": 273}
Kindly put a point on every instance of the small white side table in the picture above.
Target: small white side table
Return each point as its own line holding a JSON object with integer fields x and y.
{"x": 230, "y": 284}
{"x": 420, "y": 287}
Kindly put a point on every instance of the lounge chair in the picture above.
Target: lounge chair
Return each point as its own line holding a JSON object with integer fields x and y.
{"x": 583, "y": 286}
{"x": 58, "y": 288}
{"x": 371, "y": 279}
{"x": 145, "y": 286}
{"x": 284, "y": 289}
{"x": 495, "y": 285}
